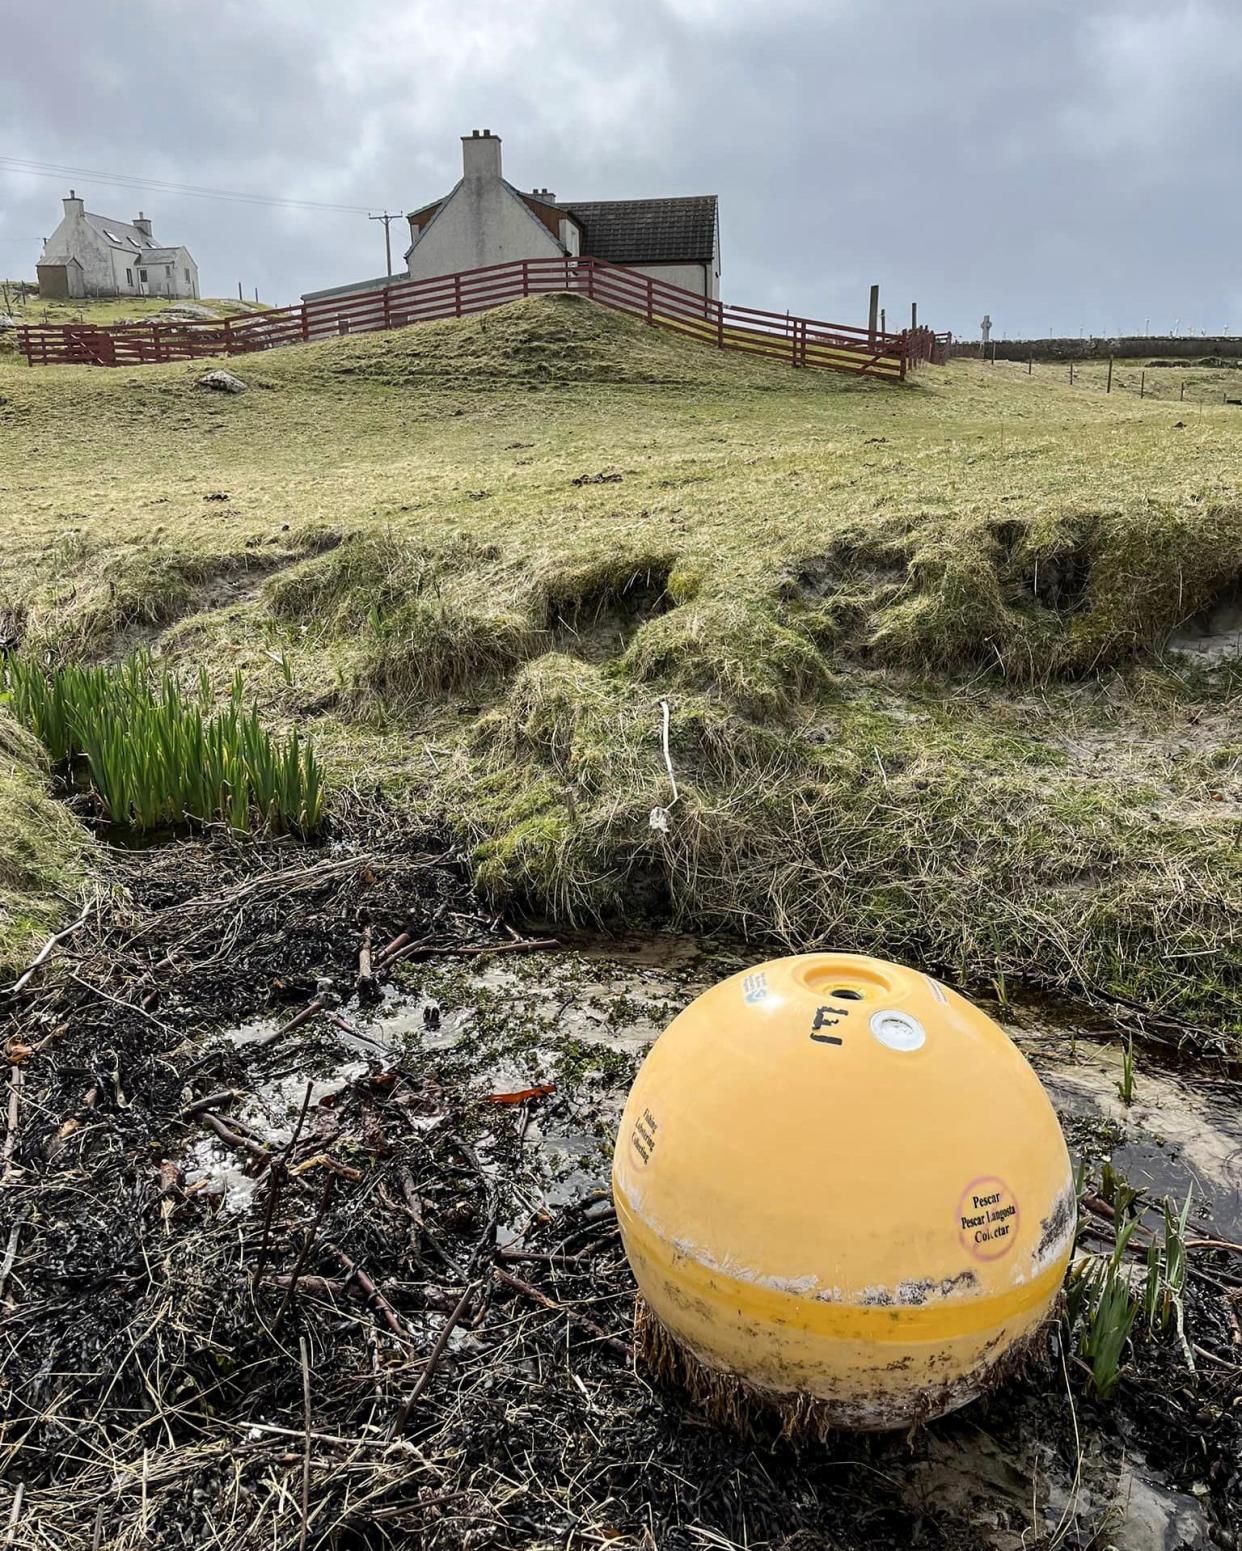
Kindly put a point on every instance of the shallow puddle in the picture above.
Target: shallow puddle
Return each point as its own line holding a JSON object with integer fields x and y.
{"x": 582, "y": 1017}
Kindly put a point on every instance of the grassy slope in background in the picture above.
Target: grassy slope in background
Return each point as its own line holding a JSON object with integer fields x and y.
{"x": 905, "y": 632}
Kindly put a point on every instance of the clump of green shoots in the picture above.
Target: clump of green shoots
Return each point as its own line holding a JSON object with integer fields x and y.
{"x": 1125, "y": 1087}
{"x": 1104, "y": 1301}
{"x": 1117, "y": 1191}
{"x": 157, "y": 756}
{"x": 1103, "y": 1306}
{"x": 1163, "y": 1307}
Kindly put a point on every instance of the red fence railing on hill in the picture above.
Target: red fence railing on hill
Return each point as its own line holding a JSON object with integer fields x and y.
{"x": 750, "y": 330}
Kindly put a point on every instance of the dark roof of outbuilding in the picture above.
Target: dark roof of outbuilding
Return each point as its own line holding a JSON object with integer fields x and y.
{"x": 650, "y": 231}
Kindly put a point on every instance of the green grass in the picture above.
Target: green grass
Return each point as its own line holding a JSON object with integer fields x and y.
{"x": 103, "y": 310}
{"x": 43, "y": 851}
{"x": 109, "y": 309}
{"x": 910, "y": 636}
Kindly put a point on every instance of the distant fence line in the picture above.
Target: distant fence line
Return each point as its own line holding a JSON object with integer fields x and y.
{"x": 798, "y": 341}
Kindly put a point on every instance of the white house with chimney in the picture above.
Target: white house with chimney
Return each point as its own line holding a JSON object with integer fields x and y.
{"x": 97, "y": 255}
{"x": 484, "y": 219}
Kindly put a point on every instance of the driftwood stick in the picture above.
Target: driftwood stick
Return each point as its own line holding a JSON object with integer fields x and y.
{"x": 16, "y": 1080}
{"x": 46, "y": 950}
{"x": 324, "y": 1203}
{"x": 433, "y": 1357}
{"x": 298, "y": 1019}
{"x": 10, "y": 1254}
{"x": 275, "y": 1183}
{"x": 399, "y": 941}
{"x": 306, "y": 1442}
{"x": 589, "y": 1325}
{"x": 234, "y": 1140}
{"x": 373, "y": 1298}
{"x": 424, "y": 949}
{"x": 406, "y": 949}
{"x": 208, "y": 1101}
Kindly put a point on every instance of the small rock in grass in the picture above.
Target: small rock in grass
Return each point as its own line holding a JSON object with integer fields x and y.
{"x": 222, "y": 381}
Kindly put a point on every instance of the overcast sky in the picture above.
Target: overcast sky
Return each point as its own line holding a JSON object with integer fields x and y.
{"x": 1064, "y": 164}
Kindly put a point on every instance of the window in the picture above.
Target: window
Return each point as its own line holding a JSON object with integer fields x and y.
{"x": 142, "y": 275}
{"x": 129, "y": 277}
{"x": 187, "y": 277}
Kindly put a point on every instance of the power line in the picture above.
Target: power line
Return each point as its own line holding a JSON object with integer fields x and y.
{"x": 163, "y": 186}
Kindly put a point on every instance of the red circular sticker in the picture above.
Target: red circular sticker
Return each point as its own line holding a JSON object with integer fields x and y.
{"x": 987, "y": 1218}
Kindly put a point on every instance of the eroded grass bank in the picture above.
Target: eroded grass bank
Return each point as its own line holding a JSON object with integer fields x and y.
{"x": 909, "y": 637}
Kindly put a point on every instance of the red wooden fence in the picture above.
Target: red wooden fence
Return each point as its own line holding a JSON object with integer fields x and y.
{"x": 798, "y": 341}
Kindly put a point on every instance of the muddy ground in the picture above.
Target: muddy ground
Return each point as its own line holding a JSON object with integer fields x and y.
{"x": 357, "y": 1283}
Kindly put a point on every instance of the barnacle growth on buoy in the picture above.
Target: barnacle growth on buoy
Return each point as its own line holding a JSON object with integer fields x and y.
{"x": 842, "y": 1192}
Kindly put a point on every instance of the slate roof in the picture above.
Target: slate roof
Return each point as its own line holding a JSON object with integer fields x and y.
{"x": 120, "y": 234}
{"x": 647, "y": 231}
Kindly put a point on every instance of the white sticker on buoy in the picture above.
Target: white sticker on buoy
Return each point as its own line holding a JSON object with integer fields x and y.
{"x": 898, "y": 1030}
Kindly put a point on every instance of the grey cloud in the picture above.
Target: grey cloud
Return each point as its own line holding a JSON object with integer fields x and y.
{"x": 1055, "y": 162}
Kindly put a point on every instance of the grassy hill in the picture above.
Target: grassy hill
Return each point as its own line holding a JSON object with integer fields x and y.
{"x": 910, "y": 636}
{"x": 26, "y": 307}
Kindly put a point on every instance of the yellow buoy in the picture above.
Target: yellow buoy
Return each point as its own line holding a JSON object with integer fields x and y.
{"x": 841, "y": 1188}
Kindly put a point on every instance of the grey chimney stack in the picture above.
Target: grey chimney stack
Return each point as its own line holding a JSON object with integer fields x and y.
{"x": 73, "y": 205}
{"x": 142, "y": 223}
{"x": 480, "y": 155}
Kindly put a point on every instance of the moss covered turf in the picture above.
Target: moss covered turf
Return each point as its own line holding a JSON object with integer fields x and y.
{"x": 911, "y": 638}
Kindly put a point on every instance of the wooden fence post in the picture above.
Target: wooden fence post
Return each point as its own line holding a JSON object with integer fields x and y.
{"x": 457, "y": 296}
{"x": 305, "y": 322}
{"x": 1071, "y": 374}
{"x": 228, "y": 337}
{"x": 873, "y": 314}
{"x": 1142, "y": 385}
{"x": 1181, "y": 391}
{"x": 1108, "y": 386}
{"x": 650, "y": 294}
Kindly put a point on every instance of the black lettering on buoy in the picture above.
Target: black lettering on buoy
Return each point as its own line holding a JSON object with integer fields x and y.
{"x": 827, "y": 1018}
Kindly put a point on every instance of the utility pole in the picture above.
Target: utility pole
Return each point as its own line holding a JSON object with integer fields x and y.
{"x": 873, "y": 314}
{"x": 387, "y": 219}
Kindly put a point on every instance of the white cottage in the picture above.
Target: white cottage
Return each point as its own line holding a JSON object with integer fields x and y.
{"x": 484, "y": 220}
{"x": 95, "y": 255}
